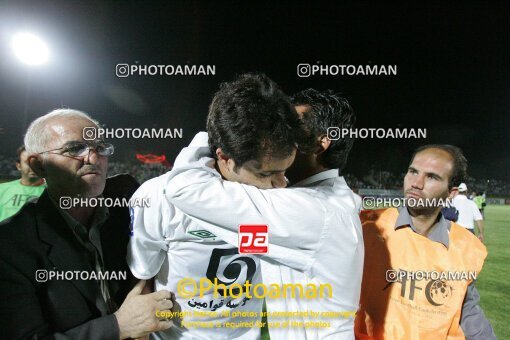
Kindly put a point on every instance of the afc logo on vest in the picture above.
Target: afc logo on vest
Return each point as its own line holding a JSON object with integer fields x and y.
{"x": 437, "y": 291}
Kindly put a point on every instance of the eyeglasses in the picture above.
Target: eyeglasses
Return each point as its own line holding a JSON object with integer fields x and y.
{"x": 80, "y": 149}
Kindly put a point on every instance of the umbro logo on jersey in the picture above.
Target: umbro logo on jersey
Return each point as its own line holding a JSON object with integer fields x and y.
{"x": 202, "y": 233}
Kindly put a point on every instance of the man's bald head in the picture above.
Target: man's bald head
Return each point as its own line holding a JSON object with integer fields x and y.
{"x": 49, "y": 140}
{"x": 41, "y": 133}
{"x": 449, "y": 152}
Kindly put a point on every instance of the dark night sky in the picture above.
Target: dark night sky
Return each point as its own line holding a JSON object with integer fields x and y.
{"x": 453, "y": 68}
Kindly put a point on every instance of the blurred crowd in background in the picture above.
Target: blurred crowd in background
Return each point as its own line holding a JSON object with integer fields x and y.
{"x": 373, "y": 180}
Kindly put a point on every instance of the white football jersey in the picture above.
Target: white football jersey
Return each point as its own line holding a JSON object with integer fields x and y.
{"x": 314, "y": 237}
{"x": 170, "y": 246}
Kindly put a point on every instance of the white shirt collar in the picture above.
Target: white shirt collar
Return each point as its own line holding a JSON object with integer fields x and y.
{"x": 321, "y": 176}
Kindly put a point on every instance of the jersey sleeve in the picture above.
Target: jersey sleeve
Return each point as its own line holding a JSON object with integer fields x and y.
{"x": 477, "y": 216}
{"x": 149, "y": 228}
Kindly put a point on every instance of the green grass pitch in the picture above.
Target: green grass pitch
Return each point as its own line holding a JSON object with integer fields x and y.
{"x": 493, "y": 283}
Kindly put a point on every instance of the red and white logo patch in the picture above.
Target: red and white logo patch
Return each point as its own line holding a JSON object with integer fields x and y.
{"x": 253, "y": 239}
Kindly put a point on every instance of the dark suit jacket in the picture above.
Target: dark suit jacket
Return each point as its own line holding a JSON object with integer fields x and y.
{"x": 38, "y": 238}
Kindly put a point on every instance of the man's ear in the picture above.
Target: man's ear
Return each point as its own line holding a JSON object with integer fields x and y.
{"x": 221, "y": 156}
{"x": 18, "y": 166}
{"x": 224, "y": 161}
{"x": 324, "y": 144}
{"x": 36, "y": 164}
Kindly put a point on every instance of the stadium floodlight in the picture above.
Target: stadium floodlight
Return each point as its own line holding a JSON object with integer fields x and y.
{"x": 30, "y": 49}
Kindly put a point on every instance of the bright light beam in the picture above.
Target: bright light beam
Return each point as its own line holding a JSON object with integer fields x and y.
{"x": 30, "y": 49}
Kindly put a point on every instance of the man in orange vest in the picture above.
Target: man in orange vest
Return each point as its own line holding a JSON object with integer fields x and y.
{"x": 418, "y": 277}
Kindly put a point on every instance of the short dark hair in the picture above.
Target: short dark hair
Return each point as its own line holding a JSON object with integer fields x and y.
{"x": 328, "y": 109}
{"x": 251, "y": 117}
{"x": 459, "y": 171}
{"x": 19, "y": 152}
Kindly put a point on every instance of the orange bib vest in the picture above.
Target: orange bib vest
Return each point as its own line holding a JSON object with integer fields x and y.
{"x": 414, "y": 306}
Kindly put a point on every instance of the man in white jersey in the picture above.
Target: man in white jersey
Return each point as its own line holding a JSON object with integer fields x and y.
{"x": 253, "y": 130}
{"x": 468, "y": 212}
{"x": 314, "y": 229}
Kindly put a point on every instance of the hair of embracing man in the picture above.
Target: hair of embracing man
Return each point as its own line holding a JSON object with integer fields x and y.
{"x": 251, "y": 117}
{"x": 327, "y": 109}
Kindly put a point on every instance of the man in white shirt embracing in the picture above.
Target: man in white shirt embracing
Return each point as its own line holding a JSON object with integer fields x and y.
{"x": 313, "y": 228}
{"x": 253, "y": 131}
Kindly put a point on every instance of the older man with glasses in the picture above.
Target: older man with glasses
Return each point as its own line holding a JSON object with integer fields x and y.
{"x": 47, "y": 253}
